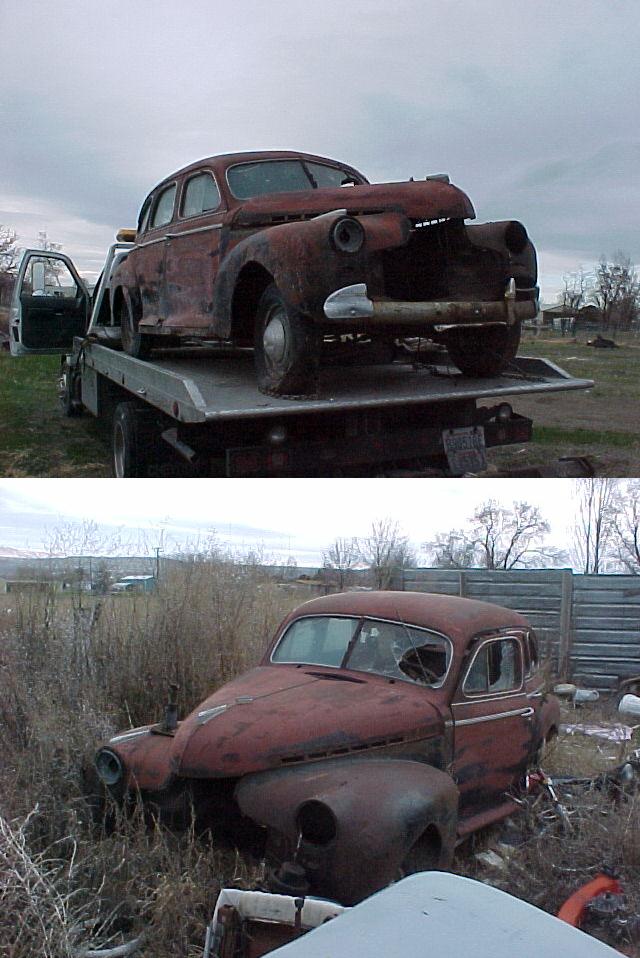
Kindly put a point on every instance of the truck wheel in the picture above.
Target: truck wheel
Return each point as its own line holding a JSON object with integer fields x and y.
{"x": 134, "y": 342}
{"x": 478, "y": 351}
{"x": 285, "y": 347}
{"x": 132, "y": 441}
{"x": 71, "y": 402}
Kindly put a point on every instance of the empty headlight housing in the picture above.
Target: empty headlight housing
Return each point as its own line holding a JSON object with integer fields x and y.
{"x": 109, "y": 766}
{"x": 347, "y": 235}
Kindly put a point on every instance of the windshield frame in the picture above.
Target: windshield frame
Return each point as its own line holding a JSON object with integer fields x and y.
{"x": 361, "y": 620}
{"x": 313, "y": 186}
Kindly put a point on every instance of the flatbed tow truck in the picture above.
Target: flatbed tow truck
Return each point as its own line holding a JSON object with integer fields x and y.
{"x": 201, "y": 403}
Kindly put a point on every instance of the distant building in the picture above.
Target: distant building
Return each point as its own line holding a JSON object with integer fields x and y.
{"x": 26, "y": 585}
{"x": 135, "y": 583}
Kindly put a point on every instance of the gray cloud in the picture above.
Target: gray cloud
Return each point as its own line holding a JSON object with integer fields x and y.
{"x": 528, "y": 107}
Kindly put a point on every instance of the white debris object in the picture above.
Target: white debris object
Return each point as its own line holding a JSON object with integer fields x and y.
{"x": 580, "y": 696}
{"x": 630, "y": 704}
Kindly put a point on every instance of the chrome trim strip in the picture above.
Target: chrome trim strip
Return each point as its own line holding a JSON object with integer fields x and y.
{"x": 493, "y": 718}
{"x": 127, "y": 735}
{"x": 196, "y": 229}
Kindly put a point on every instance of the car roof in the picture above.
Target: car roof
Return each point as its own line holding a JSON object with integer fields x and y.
{"x": 458, "y": 618}
{"x": 222, "y": 161}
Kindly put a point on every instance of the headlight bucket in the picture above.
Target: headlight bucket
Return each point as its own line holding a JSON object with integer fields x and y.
{"x": 347, "y": 235}
{"x": 109, "y": 767}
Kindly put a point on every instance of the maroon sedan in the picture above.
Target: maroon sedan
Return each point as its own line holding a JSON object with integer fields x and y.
{"x": 378, "y": 731}
{"x": 301, "y": 258}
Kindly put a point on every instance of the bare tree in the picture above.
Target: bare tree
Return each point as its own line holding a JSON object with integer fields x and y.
{"x": 8, "y": 249}
{"x": 594, "y": 524}
{"x": 497, "y": 538}
{"x": 573, "y": 296}
{"x": 386, "y": 551}
{"x": 626, "y": 526}
{"x": 451, "y": 550}
{"x": 339, "y": 559}
{"x": 617, "y": 292}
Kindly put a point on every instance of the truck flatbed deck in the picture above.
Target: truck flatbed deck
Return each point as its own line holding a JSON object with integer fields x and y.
{"x": 199, "y": 385}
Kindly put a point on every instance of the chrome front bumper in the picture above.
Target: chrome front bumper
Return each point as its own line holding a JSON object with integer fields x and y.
{"x": 352, "y": 303}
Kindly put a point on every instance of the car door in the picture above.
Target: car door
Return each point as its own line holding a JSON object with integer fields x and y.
{"x": 148, "y": 258}
{"x": 49, "y": 307}
{"x": 493, "y": 724}
{"x": 192, "y": 253}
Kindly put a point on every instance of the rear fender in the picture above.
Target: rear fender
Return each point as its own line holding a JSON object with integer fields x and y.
{"x": 379, "y": 808}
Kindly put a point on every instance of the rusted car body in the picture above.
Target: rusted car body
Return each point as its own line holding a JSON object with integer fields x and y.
{"x": 303, "y": 259}
{"x": 379, "y": 729}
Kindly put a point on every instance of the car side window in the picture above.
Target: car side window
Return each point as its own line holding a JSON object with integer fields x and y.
{"x": 163, "y": 210}
{"x": 201, "y": 195}
{"x": 533, "y": 654}
{"x": 143, "y": 219}
{"x": 497, "y": 667}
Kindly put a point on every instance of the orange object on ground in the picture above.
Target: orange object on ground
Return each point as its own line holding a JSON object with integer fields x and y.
{"x": 573, "y": 909}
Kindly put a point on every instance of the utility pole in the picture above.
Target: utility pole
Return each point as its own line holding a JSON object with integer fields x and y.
{"x": 158, "y": 550}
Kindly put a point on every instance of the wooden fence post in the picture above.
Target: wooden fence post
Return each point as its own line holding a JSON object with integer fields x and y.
{"x": 566, "y": 624}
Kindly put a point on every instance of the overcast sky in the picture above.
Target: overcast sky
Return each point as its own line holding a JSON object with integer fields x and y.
{"x": 530, "y": 107}
{"x": 297, "y": 517}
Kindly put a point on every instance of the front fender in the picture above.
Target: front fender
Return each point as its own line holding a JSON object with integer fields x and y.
{"x": 303, "y": 263}
{"x": 380, "y": 807}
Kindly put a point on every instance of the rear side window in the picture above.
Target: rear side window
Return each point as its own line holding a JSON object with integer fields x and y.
{"x": 163, "y": 210}
{"x": 496, "y": 668}
{"x": 201, "y": 195}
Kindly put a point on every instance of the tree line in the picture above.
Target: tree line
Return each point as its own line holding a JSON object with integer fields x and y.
{"x": 604, "y": 537}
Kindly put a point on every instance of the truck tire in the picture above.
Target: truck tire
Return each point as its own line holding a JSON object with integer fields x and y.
{"x": 285, "y": 347}
{"x": 483, "y": 351}
{"x": 132, "y": 441}
{"x": 71, "y": 402}
{"x": 134, "y": 342}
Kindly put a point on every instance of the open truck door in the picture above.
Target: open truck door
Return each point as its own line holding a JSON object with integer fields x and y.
{"x": 50, "y": 305}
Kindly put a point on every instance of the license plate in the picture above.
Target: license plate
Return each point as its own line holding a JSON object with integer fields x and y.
{"x": 465, "y": 449}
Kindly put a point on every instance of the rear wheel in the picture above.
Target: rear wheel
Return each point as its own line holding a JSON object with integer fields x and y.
{"x": 134, "y": 342}
{"x": 134, "y": 441}
{"x": 71, "y": 399}
{"x": 285, "y": 347}
{"x": 483, "y": 350}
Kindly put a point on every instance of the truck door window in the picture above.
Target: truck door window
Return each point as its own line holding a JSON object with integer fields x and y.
{"x": 163, "y": 210}
{"x": 47, "y": 276}
{"x": 497, "y": 667}
{"x": 201, "y": 195}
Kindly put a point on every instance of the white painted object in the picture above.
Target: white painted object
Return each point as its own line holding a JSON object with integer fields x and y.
{"x": 565, "y": 690}
{"x": 630, "y": 705}
{"x": 581, "y": 696}
{"x": 438, "y": 914}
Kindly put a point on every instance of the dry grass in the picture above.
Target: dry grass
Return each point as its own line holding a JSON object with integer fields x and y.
{"x": 72, "y": 670}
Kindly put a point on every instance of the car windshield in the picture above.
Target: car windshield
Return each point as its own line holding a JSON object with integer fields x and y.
{"x": 366, "y": 645}
{"x": 283, "y": 176}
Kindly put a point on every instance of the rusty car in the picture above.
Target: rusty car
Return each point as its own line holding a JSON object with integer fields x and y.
{"x": 379, "y": 730}
{"x": 302, "y": 259}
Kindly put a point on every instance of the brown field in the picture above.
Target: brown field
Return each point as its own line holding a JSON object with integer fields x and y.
{"x": 69, "y": 677}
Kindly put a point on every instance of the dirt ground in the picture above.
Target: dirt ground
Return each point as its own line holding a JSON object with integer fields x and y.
{"x": 601, "y": 423}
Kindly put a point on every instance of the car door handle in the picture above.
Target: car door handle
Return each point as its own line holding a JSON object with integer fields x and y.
{"x": 528, "y": 713}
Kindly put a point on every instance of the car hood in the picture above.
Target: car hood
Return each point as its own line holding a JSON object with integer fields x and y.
{"x": 423, "y": 200}
{"x": 281, "y": 715}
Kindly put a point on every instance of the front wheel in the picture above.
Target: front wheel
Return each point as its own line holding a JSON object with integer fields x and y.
{"x": 483, "y": 350}
{"x": 285, "y": 347}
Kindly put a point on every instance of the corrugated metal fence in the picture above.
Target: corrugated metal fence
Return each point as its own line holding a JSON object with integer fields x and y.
{"x": 589, "y": 625}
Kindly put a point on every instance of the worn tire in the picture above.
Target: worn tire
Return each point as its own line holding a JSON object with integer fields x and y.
{"x": 285, "y": 347}
{"x": 134, "y": 342}
{"x": 483, "y": 351}
{"x": 133, "y": 441}
{"x": 71, "y": 401}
